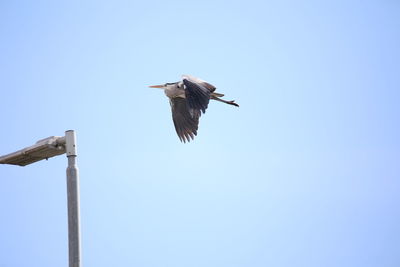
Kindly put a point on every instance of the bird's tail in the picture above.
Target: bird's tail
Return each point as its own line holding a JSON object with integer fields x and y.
{"x": 216, "y": 96}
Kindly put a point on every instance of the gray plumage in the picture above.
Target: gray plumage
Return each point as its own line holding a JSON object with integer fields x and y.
{"x": 189, "y": 98}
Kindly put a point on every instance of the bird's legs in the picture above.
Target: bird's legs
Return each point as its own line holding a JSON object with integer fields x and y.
{"x": 232, "y": 102}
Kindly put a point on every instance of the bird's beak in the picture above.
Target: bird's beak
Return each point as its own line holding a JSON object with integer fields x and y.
{"x": 156, "y": 86}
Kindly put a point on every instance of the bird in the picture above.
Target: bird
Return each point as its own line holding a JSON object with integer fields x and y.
{"x": 189, "y": 99}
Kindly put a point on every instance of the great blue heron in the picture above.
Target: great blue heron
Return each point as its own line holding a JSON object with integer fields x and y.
{"x": 188, "y": 99}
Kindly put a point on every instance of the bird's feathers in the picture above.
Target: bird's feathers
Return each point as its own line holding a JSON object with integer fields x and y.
{"x": 193, "y": 79}
{"x": 186, "y": 121}
{"x": 189, "y": 98}
{"x": 197, "y": 96}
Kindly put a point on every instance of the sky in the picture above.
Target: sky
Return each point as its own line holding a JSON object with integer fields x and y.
{"x": 305, "y": 173}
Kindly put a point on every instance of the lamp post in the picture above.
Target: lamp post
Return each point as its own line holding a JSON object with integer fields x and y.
{"x": 47, "y": 148}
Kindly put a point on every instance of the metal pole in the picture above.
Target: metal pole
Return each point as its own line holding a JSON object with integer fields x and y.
{"x": 74, "y": 246}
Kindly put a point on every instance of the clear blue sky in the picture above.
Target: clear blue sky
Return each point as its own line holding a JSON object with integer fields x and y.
{"x": 305, "y": 173}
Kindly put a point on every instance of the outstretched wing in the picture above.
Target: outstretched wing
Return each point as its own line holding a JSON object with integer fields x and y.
{"x": 207, "y": 85}
{"x": 186, "y": 120}
{"x": 197, "y": 95}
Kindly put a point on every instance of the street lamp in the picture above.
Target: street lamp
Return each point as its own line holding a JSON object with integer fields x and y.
{"x": 47, "y": 148}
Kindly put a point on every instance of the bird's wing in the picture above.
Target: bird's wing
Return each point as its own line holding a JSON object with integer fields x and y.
{"x": 197, "y": 95}
{"x": 207, "y": 85}
{"x": 186, "y": 120}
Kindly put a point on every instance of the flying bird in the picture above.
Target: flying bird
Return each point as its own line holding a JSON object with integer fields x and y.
{"x": 189, "y": 98}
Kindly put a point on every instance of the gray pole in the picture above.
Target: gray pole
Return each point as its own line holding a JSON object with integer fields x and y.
{"x": 74, "y": 246}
